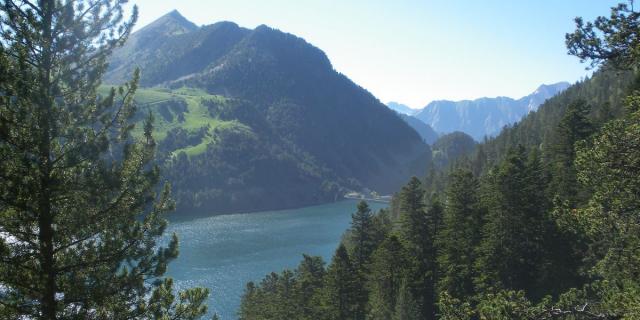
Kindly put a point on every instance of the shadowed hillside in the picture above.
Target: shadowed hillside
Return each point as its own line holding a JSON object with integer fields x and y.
{"x": 297, "y": 132}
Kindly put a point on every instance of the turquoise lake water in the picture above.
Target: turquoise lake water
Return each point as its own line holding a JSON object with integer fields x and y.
{"x": 225, "y": 252}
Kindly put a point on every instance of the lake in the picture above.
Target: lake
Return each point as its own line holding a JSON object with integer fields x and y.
{"x": 225, "y": 252}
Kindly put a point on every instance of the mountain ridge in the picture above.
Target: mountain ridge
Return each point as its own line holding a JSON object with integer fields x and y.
{"x": 174, "y": 18}
{"x": 401, "y": 108}
{"x": 484, "y": 116}
{"x": 273, "y": 114}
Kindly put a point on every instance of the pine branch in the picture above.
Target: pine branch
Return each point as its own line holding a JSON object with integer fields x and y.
{"x": 581, "y": 311}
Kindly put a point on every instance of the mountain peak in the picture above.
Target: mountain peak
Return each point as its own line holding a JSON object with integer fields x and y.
{"x": 554, "y": 88}
{"x": 544, "y": 92}
{"x": 172, "y": 22}
{"x": 175, "y": 14}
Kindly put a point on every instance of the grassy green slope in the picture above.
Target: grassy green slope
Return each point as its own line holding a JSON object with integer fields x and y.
{"x": 194, "y": 118}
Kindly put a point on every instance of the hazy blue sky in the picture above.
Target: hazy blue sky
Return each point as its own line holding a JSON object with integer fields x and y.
{"x": 414, "y": 51}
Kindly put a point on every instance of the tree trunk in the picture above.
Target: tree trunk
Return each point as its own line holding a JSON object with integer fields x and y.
{"x": 45, "y": 217}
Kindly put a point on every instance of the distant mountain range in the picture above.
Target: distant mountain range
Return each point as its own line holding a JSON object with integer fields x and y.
{"x": 485, "y": 116}
{"x": 401, "y": 108}
{"x": 256, "y": 119}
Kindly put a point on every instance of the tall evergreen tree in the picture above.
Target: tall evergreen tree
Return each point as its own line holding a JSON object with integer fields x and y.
{"x": 388, "y": 268}
{"x": 560, "y": 251}
{"x": 286, "y": 302}
{"x": 434, "y": 216}
{"x": 362, "y": 238}
{"x": 79, "y": 213}
{"x": 609, "y": 165}
{"x": 310, "y": 280}
{"x": 250, "y": 302}
{"x": 459, "y": 236}
{"x": 411, "y": 207}
{"x": 573, "y": 127}
{"x": 382, "y": 226}
{"x": 339, "y": 301}
{"x": 418, "y": 230}
{"x": 513, "y": 236}
{"x": 611, "y": 168}
{"x": 406, "y": 306}
{"x": 274, "y": 298}
{"x": 361, "y": 234}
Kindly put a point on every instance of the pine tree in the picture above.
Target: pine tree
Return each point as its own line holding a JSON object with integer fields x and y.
{"x": 411, "y": 205}
{"x": 339, "y": 301}
{"x": 388, "y": 267}
{"x": 276, "y": 297}
{"x": 511, "y": 251}
{"x": 612, "y": 40}
{"x": 418, "y": 231}
{"x": 250, "y": 302}
{"x": 611, "y": 168}
{"x": 434, "y": 216}
{"x": 362, "y": 238}
{"x": 574, "y": 126}
{"x": 361, "y": 234}
{"x": 609, "y": 164}
{"x": 382, "y": 226}
{"x": 79, "y": 213}
{"x": 286, "y": 303}
{"x": 560, "y": 252}
{"x": 310, "y": 280}
{"x": 479, "y": 160}
{"x": 406, "y": 307}
{"x": 459, "y": 236}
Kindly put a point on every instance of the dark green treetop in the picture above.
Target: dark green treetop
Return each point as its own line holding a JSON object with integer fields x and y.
{"x": 339, "y": 301}
{"x": 614, "y": 39}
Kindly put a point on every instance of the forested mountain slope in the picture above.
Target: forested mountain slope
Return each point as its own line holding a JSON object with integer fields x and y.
{"x": 600, "y": 95}
{"x": 295, "y": 131}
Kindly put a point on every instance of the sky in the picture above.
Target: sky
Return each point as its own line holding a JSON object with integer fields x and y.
{"x": 417, "y": 51}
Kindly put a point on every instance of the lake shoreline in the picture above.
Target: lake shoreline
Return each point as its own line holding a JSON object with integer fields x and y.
{"x": 224, "y": 252}
{"x": 180, "y": 216}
